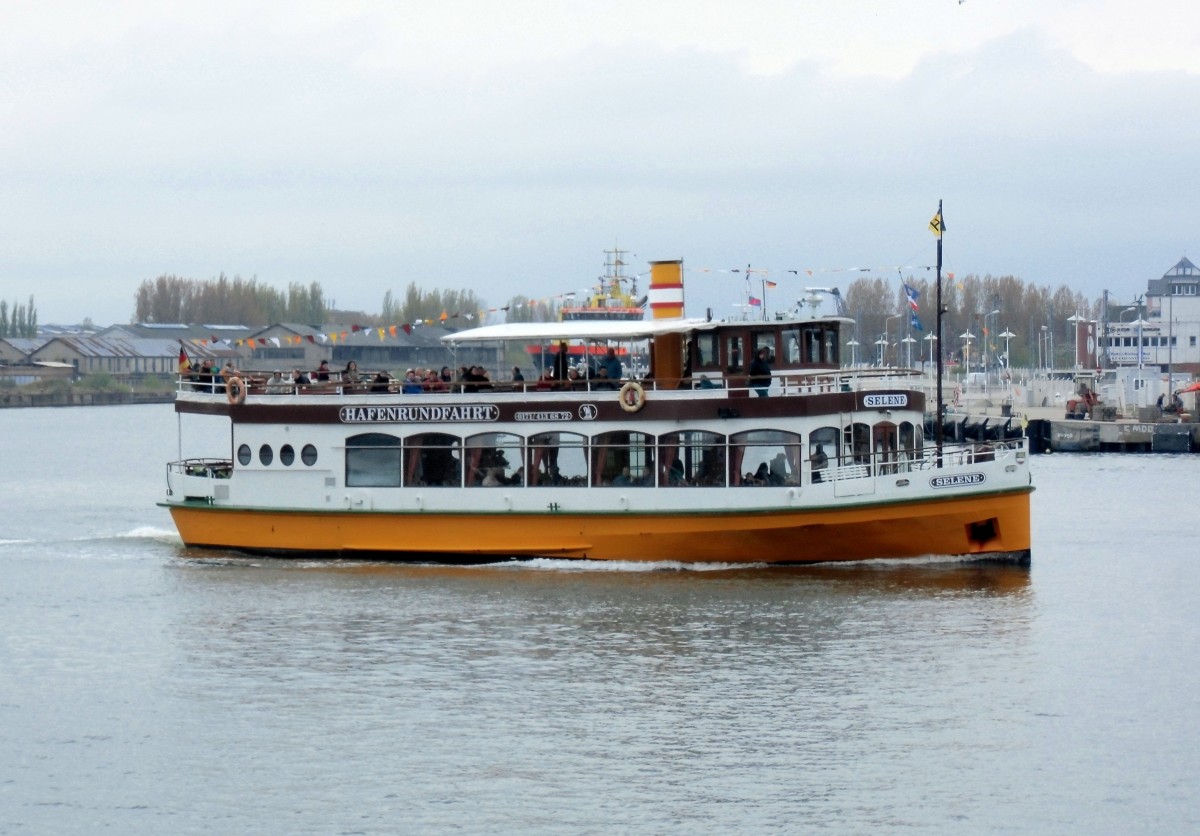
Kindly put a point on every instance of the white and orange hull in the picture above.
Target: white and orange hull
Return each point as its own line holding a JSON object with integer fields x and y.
{"x": 988, "y": 525}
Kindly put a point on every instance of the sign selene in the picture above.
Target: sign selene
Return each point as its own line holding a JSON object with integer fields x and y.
{"x": 885, "y": 401}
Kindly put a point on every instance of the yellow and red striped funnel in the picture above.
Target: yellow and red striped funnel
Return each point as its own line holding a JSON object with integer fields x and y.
{"x": 666, "y": 289}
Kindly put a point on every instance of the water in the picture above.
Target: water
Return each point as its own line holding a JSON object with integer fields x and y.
{"x": 143, "y": 691}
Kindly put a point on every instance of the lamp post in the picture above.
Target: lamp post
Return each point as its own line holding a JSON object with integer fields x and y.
{"x": 1008, "y": 335}
{"x": 987, "y": 371}
{"x": 882, "y": 343}
{"x": 908, "y": 340}
{"x": 1075, "y": 319}
{"x": 853, "y": 346}
{"x": 931, "y": 338}
{"x": 1043, "y": 349}
{"x": 966, "y": 337}
{"x": 885, "y": 326}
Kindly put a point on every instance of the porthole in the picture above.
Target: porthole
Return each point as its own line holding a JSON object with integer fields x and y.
{"x": 244, "y": 455}
{"x": 287, "y": 455}
{"x": 308, "y": 455}
{"x": 265, "y": 455}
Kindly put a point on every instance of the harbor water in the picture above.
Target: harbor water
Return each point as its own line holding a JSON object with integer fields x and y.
{"x": 145, "y": 688}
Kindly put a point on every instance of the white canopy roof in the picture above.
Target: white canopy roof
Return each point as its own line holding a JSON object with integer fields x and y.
{"x": 582, "y": 329}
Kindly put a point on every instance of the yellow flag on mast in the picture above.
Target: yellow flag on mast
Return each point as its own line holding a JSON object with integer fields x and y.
{"x": 937, "y": 226}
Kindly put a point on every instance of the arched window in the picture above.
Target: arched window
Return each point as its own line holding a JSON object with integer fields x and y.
{"x": 822, "y": 449}
{"x": 692, "y": 458}
{"x": 911, "y": 443}
{"x": 764, "y": 457}
{"x": 494, "y": 460}
{"x": 857, "y": 445}
{"x": 557, "y": 459}
{"x": 623, "y": 459}
{"x": 373, "y": 461}
{"x": 433, "y": 460}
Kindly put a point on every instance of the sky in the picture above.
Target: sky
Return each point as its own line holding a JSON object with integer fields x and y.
{"x": 501, "y": 147}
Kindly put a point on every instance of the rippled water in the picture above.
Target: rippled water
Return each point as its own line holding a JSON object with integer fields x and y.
{"x": 144, "y": 689}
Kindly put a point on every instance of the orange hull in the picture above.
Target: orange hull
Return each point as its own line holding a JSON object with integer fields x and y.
{"x": 981, "y": 525}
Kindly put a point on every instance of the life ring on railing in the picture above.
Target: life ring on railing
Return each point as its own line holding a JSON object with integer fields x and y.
{"x": 632, "y": 396}
{"x": 235, "y": 390}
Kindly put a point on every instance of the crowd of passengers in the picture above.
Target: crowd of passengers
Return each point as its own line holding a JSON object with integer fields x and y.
{"x": 562, "y": 374}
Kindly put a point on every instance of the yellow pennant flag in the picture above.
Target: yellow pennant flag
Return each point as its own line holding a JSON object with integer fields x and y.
{"x": 937, "y": 226}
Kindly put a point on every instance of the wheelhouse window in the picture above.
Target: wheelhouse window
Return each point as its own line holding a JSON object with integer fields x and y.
{"x": 373, "y": 461}
{"x": 707, "y": 348}
{"x": 494, "y": 460}
{"x": 433, "y": 460}
{"x": 733, "y": 353}
{"x": 764, "y": 339}
{"x": 764, "y": 457}
{"x": 623, "y": 459}
{"x": 692, "y": 458}
{"x": 557, "y": 459}
{"x": 792, "y": 354}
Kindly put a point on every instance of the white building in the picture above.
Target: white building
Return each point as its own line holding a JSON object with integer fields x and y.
{"x": 1164, "y": 329}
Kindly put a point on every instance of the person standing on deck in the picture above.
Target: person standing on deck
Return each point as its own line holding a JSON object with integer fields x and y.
{"x": 760, "y": 372}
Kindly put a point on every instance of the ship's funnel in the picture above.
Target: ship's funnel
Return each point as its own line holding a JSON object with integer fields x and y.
{"x": 666, "y": 289}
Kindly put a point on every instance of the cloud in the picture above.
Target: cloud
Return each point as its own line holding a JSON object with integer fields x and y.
{"x": 502, "y": 150}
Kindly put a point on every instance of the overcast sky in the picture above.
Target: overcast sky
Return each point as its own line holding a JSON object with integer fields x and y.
{"x": 500, "y": 147}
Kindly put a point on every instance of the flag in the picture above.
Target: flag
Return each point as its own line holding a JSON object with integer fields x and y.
{"x": 913, "y": 296}
{"x": 915, "y": 321}
{"x": 771, "y": 283}
{"x": 937, "y": 226}
{"x": 185, "y": 365}
{"x": 755, "y": 302}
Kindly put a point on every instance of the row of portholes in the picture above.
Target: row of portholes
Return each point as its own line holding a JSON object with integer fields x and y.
{"x": 287, "y": 455}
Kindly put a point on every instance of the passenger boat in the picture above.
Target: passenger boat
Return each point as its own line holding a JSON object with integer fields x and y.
{"x": 697, "y": 461}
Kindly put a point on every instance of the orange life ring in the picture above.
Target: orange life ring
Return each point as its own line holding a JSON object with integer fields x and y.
{"x": 235, "y": 391}
{"x": 632, "y": 396}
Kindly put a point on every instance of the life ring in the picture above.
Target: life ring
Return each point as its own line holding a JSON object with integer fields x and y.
{"x": 632, "y": 396}
{"x": 235, "y": 391}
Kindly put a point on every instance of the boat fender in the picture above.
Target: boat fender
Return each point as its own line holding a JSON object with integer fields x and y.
{"x": 235, "y": 391}
{"x": 632, "y": 396}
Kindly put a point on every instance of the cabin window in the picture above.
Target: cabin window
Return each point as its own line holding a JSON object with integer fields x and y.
{"x": 765, "y": 339}
{"x": 691, "y": 458}
{"x": 265, "y": 455}
{"x": 764, "y": 457}
{"x": 557, "y": 459}
{"x": 707, "y": 351}
{"x": 822, "y": 446}
{"x": 373, "y": 461}
{"x": 308, "y": 455}
{"x": 622, "y": 460}
{"x": 287, "y": 455}
{"x": 244, "y": 455}
{"x": 911, "y": 442}
{"x": 433, "y": 460}
{"x": 857, "y": 445}
{"x": 886, "y": 446}
{"x": 811, "y": 337}
{"x": 733, "y": 353}
{"x": 791, "y": 347}
{"x": 494, "y": 460}
{"x": 830, "y": 353}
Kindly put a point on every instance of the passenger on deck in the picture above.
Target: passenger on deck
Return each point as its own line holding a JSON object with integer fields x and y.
{"x": 382, "y": 382}
{"x": 546, "y": 381}
{"x": 350, "y": 374}
{"x": 517, "y": 377}
{"x": 760, "y": 372}
{"x": 818, "y": 462}
{"x": 276, "y": 385}
{"x": 602, "y": 380}
{"x": 322, "y": 373}
{"x": 411, "y": 385}
{"x": 611, "y": 364}
{"x": 299, "y": 378}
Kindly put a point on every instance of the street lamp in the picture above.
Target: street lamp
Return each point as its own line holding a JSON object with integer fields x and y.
{"x": 908, "y": 340}
{"x": 885, "y": 325}
{"x": 931, "y": 338}
{"x": 882, "y": 343}
{"x": 853, "y": 346}
{"x": 966, "y": 337}
{"x": 986, "y": 336}
{"x": 1008, "y": 335}
{"x": 1075, "y": 319}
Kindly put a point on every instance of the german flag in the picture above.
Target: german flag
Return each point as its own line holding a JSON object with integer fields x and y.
{"x": 185, "y": 365}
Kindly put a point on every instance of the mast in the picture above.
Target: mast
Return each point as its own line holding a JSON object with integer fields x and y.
{"x": 938, "y": 227}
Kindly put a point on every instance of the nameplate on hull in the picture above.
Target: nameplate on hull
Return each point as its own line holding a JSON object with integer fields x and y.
{"x": 465, "y": 413}
{"x": 885, "y": 401}
{"x": 958, "y": 480}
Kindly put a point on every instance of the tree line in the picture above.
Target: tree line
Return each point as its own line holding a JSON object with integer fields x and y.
{"x": 228, "y": 301}
{"x": 19, "y": 320}
{"x": 983, "y": 306}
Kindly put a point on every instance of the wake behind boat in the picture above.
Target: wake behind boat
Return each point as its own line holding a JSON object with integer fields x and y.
{"x": 745, "y": 441}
